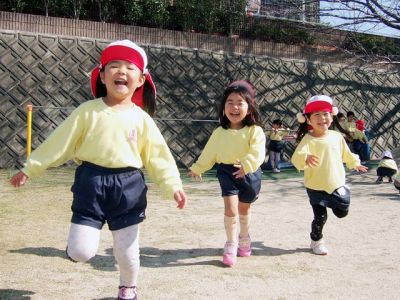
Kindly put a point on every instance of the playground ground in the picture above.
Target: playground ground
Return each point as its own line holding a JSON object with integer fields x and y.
{"x": 181, "y": 250}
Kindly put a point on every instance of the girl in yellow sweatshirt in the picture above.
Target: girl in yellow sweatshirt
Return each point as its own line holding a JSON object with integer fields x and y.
{"x": 320, "y": 154}
{"x": 111, "y": 138}
{"x": 237, "y": 146}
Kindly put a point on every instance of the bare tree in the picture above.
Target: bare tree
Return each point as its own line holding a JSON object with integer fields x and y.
{"x": 371, "y": 12}
{"x": 351, "y": 24}
{"x": 366, "y": 17}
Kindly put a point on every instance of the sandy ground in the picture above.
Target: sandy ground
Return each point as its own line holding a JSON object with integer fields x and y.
{"x": 181, "y": 250}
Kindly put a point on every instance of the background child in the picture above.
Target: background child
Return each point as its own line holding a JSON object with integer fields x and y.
{"x": 237, "y": 146}
{"x": 320, "y": 154}
{"x": 276, "y": 144}
{"x": 387, "y": 167}
{"x": 339, "y": 124}
{"x": 111, "y": 138}
{"x": 360, "y": 141}
{"x": 350, "y": 126}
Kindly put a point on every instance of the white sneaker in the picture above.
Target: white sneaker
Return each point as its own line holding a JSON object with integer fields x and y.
{"x": 318, "y": 247}
{"x": 275, "y": 170}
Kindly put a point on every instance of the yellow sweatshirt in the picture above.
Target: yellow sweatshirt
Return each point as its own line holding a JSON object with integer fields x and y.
{"x": 388, "y": 163}
{"x": 278, "y": 135}
{"x": 350, "y": 126}
{"x": 111, "y": 138}
{"x": 228, "y": 145}
{"x": 332, "y": 151}
{"x": 360, "y": 135}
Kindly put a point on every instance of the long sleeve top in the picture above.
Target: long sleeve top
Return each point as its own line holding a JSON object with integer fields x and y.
{"x": 278, "y": 135}
{"x": 227, "y": 146}
{"x": 360, "y": 135}
{"x": 350, "y": 126}
{"x": 111, "y": 138}
{"x": 388, "y": 163}
{"x": 332, "y": 151}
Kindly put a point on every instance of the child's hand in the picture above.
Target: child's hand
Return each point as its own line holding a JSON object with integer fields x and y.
{"x": 19, "y": 179}
{"x": 239, "y": 173}
{"x": 180, "y": 199}
{"x": 194, "y": 176}
{"x": 361, "y": 168}
{"x": 312, "y": 160}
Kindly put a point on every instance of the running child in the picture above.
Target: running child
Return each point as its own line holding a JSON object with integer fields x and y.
{"x": 237, "y": 147}
{"x": 111, "y": 138}
{"x": 321, "y": 154}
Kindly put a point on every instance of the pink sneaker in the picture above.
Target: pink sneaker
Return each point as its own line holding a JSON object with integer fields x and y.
{"x": 127, "y": 293}
{"x": 230, "y": 253}
{"x": 244, "y": 246}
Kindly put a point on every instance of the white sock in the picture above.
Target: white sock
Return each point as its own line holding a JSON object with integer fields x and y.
{"x": 244, "y": 221}
{"x": 231, "y": 228}
{"x": 126, "y": 252}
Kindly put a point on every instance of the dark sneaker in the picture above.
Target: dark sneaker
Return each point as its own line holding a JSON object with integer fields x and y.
{"x": 127, "y": 293}
{"x": 379, "y": 180}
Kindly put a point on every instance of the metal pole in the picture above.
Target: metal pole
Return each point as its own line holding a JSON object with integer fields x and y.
{"x": 29, "y": 130}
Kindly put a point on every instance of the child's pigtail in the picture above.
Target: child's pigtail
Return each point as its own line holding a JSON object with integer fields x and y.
{"x": 149, "y": 99}
{"x": 303, "y": 128}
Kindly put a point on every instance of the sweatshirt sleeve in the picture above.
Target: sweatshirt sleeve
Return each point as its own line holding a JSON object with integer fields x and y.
{"x": 208, "y": 157}
{"x": 58, "y": 148}
{"x": 158, "y": 160}
{"x": 349, "y": 158}
{"x": 256, "y": 155}
{"x": 300, "y": 155}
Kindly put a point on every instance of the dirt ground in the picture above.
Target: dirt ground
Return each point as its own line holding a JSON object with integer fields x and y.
{"x": 181, "y": 250}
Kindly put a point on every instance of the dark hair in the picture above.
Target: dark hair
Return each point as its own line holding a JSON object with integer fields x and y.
{"x": 336, "y": 125}
{"x": 253, "y": 117}
{"x": 149, "y": 98}
{"x": 340, "y": 115}
{"x": 350, "y": 113}
{"x": 277, "y": 122}
{"x": 303, "y": 128}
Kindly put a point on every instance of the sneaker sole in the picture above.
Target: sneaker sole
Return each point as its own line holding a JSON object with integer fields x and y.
{"x": 321, "y": 254}
{"x": 244, "y": 254}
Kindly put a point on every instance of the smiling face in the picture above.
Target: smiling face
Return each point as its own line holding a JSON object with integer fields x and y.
{"x": 320, "y": 122}
{"x": 121, "y": 79}
{"x": 236, "y": 109}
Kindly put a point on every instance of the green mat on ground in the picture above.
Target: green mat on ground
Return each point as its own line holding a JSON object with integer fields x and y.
{"x": 285, "y": 173}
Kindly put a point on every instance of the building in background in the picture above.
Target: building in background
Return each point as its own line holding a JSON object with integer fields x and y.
{"x": 290, "y": 9}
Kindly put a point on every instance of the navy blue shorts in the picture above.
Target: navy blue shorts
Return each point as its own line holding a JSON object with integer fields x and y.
{"x": 339, "y": 199}
{"x": 385, "y": 172}
{"x": 116, "y": 196}
{"x": 247, "y": 188}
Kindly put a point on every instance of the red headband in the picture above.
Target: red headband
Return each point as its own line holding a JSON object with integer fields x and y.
{"x": 128, "y": 51}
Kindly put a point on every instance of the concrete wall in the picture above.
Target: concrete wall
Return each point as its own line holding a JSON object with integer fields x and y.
{"x": 52, "y": 71}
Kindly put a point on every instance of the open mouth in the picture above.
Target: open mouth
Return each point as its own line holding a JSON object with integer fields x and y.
{"x": 120, "y": 82}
